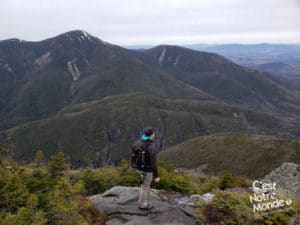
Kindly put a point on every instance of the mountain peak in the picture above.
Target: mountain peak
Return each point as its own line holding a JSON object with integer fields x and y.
{"x": 13, "y": 40}
{"x": 81, "y": 36}
{"x": 77, "y": 33}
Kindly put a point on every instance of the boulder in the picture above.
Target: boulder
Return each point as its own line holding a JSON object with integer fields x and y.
{"x": 190, "y": 200}
{"x": 287, "y": 179}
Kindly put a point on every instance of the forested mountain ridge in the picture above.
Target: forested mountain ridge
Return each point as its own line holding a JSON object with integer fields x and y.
{"x": 77, "y": 93}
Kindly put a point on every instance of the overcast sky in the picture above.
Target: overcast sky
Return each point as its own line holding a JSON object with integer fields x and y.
{"x": 136, "y": 22}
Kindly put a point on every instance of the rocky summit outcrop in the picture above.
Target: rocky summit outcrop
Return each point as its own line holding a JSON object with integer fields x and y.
{"x": 287, "y": 179}
{"x": 121, "y": 204}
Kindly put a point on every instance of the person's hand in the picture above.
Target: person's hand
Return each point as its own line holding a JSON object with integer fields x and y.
{"x": 156, "y": 180}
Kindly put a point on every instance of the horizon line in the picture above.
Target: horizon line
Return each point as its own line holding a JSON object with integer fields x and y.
{"x": 151, "y": 45}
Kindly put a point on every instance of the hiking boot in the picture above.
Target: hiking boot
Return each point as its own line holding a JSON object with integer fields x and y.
{"x": 148, "y": 206}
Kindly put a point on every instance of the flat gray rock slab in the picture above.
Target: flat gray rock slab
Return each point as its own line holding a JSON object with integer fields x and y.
{"x": 121, "y": 203}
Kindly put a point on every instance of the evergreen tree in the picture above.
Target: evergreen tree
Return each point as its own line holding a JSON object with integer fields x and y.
{"x": 39, "y": 157}
{"x": 28, "y": 215}
{"x": 57, "y": 164}
{"x": 64, "y": 203}
{"x": 13, "y": 190}
{"x": 4, "y": 152}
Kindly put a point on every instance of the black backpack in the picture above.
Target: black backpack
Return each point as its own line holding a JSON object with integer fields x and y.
{"x": 138, "y": 155}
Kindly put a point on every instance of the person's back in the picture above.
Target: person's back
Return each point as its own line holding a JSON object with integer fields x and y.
{"x": 150, "y": 168}
{"x": 150, "y": 159}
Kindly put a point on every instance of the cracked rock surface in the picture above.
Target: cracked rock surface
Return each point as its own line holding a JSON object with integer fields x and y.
{"x": 121, "y": 203}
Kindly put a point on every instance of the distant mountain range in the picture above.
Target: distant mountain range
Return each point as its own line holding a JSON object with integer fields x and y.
{"x": 279, "y": 68}
{"x": 257, "y": 56}
{"x": 85, "y": 96}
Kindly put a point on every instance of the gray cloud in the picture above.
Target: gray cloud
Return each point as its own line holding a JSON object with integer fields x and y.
{"x": 155, "y": 21}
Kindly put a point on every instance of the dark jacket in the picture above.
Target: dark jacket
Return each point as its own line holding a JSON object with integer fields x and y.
{"x": 150, "y": 159}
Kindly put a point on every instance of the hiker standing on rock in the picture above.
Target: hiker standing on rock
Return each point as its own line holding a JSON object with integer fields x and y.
{"x": 144, "y": 159}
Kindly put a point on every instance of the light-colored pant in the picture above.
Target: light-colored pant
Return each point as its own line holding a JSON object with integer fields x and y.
{"x": 144, "y": 190}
